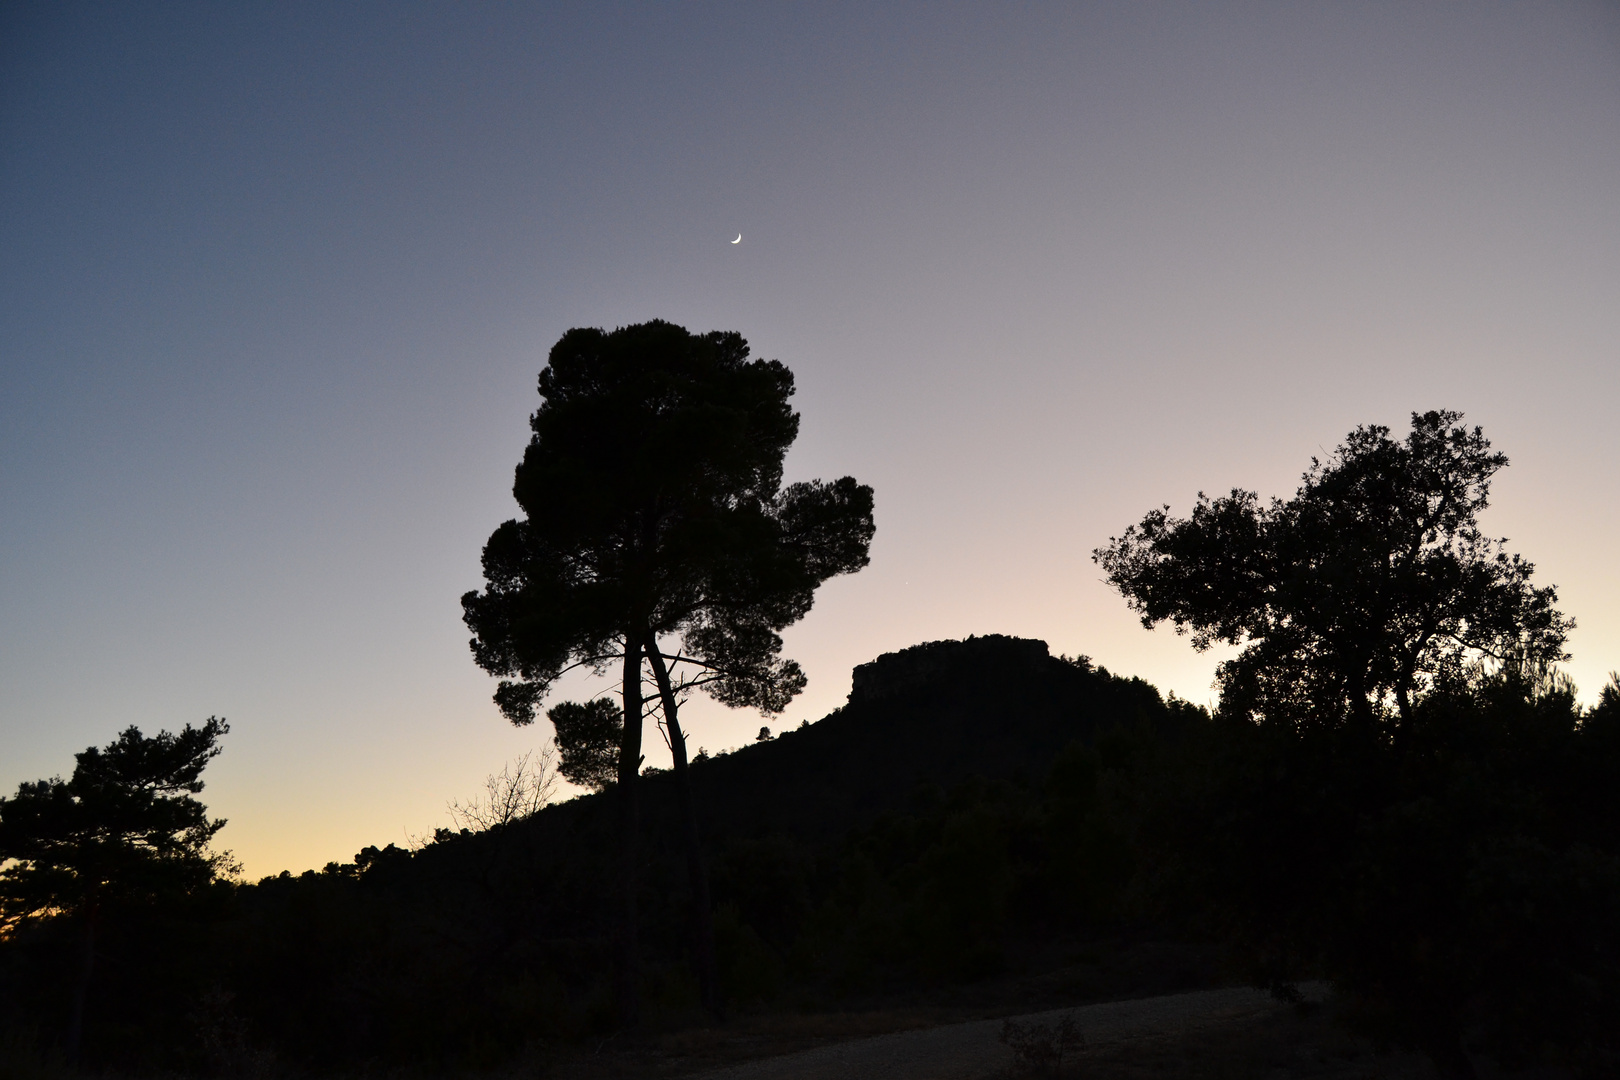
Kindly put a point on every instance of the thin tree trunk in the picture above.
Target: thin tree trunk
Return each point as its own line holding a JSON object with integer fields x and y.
{"x": 1360, "y": 707}
{"x": 697, "y": 874}
{"x": 81, "y": 990}
{"x": 627, "y": 974}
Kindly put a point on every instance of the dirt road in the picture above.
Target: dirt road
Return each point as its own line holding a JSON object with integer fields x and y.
{"x": 972, "y": 1051}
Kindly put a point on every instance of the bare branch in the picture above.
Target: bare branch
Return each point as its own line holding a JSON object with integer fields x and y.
{"x": 520, "y": 789}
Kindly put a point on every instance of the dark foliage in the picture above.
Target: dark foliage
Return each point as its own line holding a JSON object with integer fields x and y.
{"x": 653, "y": 500}
{"x": 124, "y": 827}
{"x": 111, "y": 860}
{"x": 1462, "y": 887}
{"x": 1354, "y": 596}
{"x": 1398, "y": 792}
{"x": 588, "y": 737}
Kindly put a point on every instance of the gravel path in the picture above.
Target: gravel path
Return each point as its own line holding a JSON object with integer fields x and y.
{"x": 972, "y": 1050}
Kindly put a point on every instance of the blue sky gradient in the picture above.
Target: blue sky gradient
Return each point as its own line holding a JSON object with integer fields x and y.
{"x": 276, "y": 281}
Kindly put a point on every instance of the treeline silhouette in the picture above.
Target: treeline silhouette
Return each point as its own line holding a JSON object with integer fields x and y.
{"x": 977, "y": 808}
{"x": 1397, "y": 791}
{"x": 881, "y": 847}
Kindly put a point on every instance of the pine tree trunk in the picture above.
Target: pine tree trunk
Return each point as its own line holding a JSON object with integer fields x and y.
{"x": 697, "y": 874}
{"x": 81, "y": 989}
{"x": 627, "y": 973}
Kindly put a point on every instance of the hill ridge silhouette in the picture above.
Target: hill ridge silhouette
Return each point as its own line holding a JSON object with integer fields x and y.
{"x": 937, "y": 713}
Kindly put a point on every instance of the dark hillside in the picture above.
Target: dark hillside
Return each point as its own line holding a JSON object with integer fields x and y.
{"x": 993, "y": 707}
{"x": 785, "y": 820}
{"x": 942, "y": 828}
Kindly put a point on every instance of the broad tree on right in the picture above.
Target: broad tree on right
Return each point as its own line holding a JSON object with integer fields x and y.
{"x": 1353, "y": 597}
{"x": 1399, "y": 791}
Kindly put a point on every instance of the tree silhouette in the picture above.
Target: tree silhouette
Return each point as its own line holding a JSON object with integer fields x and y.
{"x": 124, "y": 829}
{"x": 588, "y": 738}
{"x": 652, "y": 489}
{"x": 1354, "y": 596}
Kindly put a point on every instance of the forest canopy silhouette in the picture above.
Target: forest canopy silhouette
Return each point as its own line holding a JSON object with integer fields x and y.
{"x": 1397, "y": 792}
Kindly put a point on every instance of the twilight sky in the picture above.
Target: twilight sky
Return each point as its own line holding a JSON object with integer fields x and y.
{"x": 276, "y": 281}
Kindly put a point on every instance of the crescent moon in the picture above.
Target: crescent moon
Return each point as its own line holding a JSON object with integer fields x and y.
{"x": 738, "y": 240}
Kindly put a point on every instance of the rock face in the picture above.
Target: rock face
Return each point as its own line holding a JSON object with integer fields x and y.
{"x": 940, "y": 713}
{"x": 929, "y": 717}
{"x": 910, "y": 670}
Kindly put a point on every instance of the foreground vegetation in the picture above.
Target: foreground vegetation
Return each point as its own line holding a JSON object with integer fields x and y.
{"x": 979, "y": 814}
